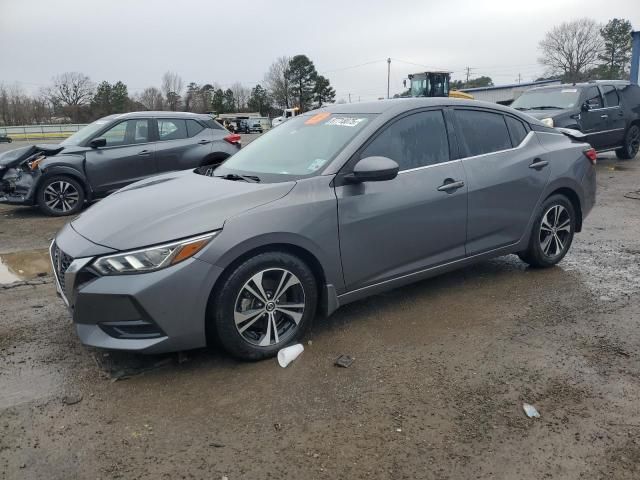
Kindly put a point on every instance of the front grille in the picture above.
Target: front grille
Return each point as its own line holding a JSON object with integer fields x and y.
{"x": 61, "y": 262}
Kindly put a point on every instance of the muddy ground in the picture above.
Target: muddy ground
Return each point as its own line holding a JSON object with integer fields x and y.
{"x": 441, "y": 371}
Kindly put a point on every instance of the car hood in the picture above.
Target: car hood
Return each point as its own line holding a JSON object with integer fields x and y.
{"x": 539, "y": 114}
{"x": 14, "y": 157}
{"x": 169, "y": 207}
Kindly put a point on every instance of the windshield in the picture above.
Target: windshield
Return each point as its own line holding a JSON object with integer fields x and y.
{"x": 297, "y": 148}
{"x": 560, "y": 98}
{"x": 85, "y": 133}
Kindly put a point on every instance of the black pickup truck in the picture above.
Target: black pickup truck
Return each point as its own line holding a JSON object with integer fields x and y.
{"x": 606, "y": 111}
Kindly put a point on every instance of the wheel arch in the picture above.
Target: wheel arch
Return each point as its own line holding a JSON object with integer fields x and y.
{"x": 62, "y": 171}
{"x": 574, "y": 198}
{"x": 214, "y": 158}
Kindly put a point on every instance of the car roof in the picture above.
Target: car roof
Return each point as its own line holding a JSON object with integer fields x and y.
{"x": 583, "y": 84}
{"x": 398, "y": 105}
{"x": 159, "y": 114}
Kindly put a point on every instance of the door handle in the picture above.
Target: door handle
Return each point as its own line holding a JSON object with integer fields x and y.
{"x": 204, "y": 142}
{"x": 144, "y": 152}
{"x": 604, "y": 116}
{"x": 539, "y": 164}
{"x": 450, "y": 185}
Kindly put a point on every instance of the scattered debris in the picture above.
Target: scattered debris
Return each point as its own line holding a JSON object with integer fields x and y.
{"x": 182, "y": 357}
{"x": 72, "y": 399}
{"x": 344, "y": 361}
{"x": 289, "y": 354}
{"x": 530, "y": 410}
{"x": 277, "y": 426}
{"x": 633, "y": 195}
{"x": 216, "y": 445}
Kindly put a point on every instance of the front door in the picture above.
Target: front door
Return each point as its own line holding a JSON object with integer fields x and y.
{"x": 127, "y": 157}
{"x": 413, "y": 222}
{"x": 594, "y": 121}
{"x": 615, "y": 116}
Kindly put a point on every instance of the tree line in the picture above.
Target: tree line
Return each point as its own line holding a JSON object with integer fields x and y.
{"x": 583, "y": 50}
{"x": 74, "y": 97}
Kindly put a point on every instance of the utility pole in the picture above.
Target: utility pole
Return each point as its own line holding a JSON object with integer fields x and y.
{"x": 388, "y": 75}
{"x": 468, "y": 73}
{"x": 349, "y": 98}
{"x": 519, "y": 78}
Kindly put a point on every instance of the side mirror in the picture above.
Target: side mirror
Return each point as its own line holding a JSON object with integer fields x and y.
{"x": 374, "y": 169}
{"x": 98, "y": 142}
{"x": 585, "y": 107}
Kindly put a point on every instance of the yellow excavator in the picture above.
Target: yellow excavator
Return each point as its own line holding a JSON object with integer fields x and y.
{"x": 432, "y": 84}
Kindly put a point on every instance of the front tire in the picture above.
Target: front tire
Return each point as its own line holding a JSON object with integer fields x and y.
{"x": 552, "y": 233}
{"x": 60, "y": 196}
{"x": 266, "y": 303}
{"x": 631, "y": 144}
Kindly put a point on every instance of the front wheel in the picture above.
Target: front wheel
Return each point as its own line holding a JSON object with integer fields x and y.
{"x": 631, "y": 144}
{"x": 552, "y": 233}
{"x": 59, "y": 196}
{"x": 266, "y": 303}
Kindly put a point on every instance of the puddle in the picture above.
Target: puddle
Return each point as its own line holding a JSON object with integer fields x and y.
{"x": 25, "y": 265}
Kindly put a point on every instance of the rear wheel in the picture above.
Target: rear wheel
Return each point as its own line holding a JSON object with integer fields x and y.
{"x": 631, "y": 144}
{"x": 552, "y": 233}
{"x": 61, "y": 195}
{"x": 265, "y": 304}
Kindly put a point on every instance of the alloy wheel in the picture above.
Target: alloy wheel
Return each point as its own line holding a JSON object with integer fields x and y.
{"x": 555, "y": 231}
{"x": 633, "y": 141}
{"x": 61, "y": 196}
{"x": 269, "y": 307}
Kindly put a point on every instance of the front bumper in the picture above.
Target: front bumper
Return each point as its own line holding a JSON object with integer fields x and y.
{"x": 17, "y": 187}
{"x": 153, "y": 312}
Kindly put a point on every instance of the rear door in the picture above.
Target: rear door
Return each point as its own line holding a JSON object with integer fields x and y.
{"x": 182, "y": 144}
{"x": 127, "y": 157}
{"x": 413, "y": 222}
{"x": 615, "y": 116}
{"x": 506, "y": 169}
{"x": 594, "y": 121}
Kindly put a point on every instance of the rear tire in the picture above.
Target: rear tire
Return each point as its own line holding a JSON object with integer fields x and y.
{"x": 60, "y": 196}
{"x": 631, "y": 144}
{"x": 552, "y": 233}
{"x": 266, "y": 303}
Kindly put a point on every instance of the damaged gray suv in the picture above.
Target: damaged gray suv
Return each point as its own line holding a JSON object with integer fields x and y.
{"x": 109, "y": 154}
{"x": 330, "y": 207}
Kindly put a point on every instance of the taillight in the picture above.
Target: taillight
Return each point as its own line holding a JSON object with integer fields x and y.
{"x": 234, "y": 138}
{"x": 591, "y": 155}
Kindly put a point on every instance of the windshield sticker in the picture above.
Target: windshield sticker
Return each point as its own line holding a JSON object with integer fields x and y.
{"x": 345, "y": 121}
{"x": 316, "y": 164}
{"x": 317, "y": 118}
{"x": 569, "y": 90}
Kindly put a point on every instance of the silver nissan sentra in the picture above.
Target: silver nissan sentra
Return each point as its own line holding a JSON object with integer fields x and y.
{"x": 327, "y": 208}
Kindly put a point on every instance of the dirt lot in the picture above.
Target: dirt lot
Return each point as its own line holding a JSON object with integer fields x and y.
{"x": 436, "y": 391}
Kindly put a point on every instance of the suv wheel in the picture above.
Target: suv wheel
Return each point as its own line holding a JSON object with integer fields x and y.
{"x": 631, "y": 144}
{"x": 552, "y": 233}
{"x": 59, "y": 196}
{"x": 265, "y": 304}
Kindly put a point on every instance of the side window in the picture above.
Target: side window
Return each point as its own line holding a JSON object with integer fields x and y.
{"x": 193, "y": 128}
{"x": 171, "y": 129}
{"x": 517, "y": 130}
{"x": 610, "y": 96}
{"x": 593, "y": 98}
{"x": 127, "y": 133}
{"x": 482, "y": 132}
{"x": 413, "y": 141}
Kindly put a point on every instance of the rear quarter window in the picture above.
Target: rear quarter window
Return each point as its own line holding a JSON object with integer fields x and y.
{"x": 193, "y": 128}
{"x": 517, "y": 130}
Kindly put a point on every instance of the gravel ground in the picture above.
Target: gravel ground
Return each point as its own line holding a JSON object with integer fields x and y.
{"x": 441, "y": 370}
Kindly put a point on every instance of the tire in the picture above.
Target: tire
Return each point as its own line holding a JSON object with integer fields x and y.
{"x": 10, "y": 140}
{"x": 552, "y": 235}
{"x": 250, "y": 336}
{"x": 68, "y": 192}
{"x": 631, "y": 144}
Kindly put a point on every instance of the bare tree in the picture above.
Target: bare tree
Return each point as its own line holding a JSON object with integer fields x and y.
{"x": 241, "y": 95}
{"x": 572, "y": 48}
{"x": 172, "y": 88}
{"x": 71, "y": 89}
{"x": 277, "y": 82}
{"x": 151, "y": 98}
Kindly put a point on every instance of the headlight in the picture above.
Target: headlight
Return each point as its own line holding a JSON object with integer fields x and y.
{"x": 152, "y": 258}
{"x": 547, "y": 121}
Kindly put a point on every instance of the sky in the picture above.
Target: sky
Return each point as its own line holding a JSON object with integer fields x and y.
{"x": 349, "y": 41}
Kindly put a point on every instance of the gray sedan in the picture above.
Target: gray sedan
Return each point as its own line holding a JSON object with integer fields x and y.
{"x": 331, "y": 207}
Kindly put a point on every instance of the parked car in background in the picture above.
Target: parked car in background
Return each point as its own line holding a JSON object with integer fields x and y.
{"x": 109, "y": 154}
{"x": 254, "y": 126}
{"x": 330, "y": 207}
{"x": 4, "y": 138}
{"x": 606, "y": 111}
